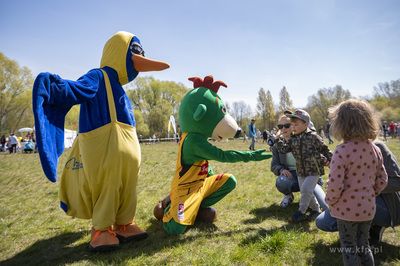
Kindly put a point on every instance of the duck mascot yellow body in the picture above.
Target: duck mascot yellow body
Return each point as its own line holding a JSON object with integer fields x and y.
{"x": 195, "y": 188}
{"x": 99, "y": 179}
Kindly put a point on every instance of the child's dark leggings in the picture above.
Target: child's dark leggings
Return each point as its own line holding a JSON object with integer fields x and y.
{"x": 354, "y": 242}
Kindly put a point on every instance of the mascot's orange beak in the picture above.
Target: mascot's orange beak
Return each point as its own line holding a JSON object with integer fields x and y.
{"x": 143, "y": 64}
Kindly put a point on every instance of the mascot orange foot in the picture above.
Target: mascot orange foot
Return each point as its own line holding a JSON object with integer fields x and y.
{"x": 110, "y": 239}
{"x": 103, "y": 240}
{"x": 129, "y": 232}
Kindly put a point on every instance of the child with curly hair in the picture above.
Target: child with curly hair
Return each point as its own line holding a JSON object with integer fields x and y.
{"x": 356, "y": 177}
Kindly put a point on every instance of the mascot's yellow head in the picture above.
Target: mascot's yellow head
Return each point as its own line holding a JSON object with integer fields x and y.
{"x": 124, "y": 53}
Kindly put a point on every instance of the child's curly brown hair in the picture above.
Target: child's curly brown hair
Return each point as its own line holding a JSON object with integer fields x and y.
{"x": 354, "y": 119}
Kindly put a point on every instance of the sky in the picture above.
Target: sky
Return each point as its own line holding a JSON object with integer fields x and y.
{"x": 304, "y": 45}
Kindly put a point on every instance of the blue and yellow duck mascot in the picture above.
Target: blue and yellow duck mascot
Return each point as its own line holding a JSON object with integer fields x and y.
{"x": 99, "y": 179}
{"x": 195, "y": 187}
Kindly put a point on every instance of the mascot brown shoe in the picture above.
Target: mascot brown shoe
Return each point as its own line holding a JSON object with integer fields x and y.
{"x": 160, "y": 208}
{"x": 206, "y": 215}
{"x": 103, "y": 240}
{"x": 129, "y": 232}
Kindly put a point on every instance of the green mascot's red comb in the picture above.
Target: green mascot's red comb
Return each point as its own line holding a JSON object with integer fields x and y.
{"x": 208, "y": 82}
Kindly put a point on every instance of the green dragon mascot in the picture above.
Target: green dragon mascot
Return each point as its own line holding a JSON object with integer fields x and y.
{"x": 195, "y": 187}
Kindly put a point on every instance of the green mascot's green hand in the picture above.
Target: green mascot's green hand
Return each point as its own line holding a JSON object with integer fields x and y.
{"x": 258, "y": 155}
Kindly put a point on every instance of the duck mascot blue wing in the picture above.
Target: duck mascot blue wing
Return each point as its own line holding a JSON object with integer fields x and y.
{"x": 99, "y": 178}
{"x": 195, "y": 187}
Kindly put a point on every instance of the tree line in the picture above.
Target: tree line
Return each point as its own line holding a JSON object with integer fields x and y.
{"x": 385, "y": 99}
{"x": 154, "y": 101}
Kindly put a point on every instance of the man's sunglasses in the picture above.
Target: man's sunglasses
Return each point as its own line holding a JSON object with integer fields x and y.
{"x": 280, "y": 126}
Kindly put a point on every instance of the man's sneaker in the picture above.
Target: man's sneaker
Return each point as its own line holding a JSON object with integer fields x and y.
{"x": 287, "y": 199}
{"x": 297, "y": 217}
{"x": 313, "y": 215}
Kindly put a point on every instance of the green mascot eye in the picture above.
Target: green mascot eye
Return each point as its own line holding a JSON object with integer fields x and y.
{"x": 223, "y": 109}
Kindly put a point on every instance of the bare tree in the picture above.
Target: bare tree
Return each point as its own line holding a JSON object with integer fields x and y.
{"x": 240, "y": 111}
{"x": 389, "y": 90}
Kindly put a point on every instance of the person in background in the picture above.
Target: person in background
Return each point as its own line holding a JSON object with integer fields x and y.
{"x": 28, "y": 147}
{"x": 392, "y": 127}
{"x": 385, "y": 129}
{"x": 321, "y": 132}
{"x": 12, "y": 143}
{"x": 252, "y": 133}
{"x": 311, "y": 154}
{"x": 273, "y": 132}
{"x": 3, "y": 143}
{"x": 258, "y": 135}
{"x": 328, "y": 126}
{"x": 284, "y": 167}
{"x": 398, "y": 129}
{"x": 356, "y": 177}
{"x": 33, "y": 137}
{"x": 265, "y": 136}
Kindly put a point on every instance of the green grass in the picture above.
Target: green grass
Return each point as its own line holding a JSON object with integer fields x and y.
{"x": 251, "y": 229}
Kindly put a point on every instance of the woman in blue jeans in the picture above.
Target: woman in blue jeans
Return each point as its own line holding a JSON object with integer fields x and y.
{"x": 387, "y": 203}
{"x": 284, "y": 166}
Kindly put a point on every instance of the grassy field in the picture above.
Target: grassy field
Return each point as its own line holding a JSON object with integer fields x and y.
{"x": 251, "y": 229}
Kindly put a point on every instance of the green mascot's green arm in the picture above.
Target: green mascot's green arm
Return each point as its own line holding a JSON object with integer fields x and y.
{"x": 197, "y": 148}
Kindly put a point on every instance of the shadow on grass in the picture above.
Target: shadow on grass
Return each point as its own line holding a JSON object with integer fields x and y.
{"x": 62, "y": 249}
{"x": 273, "y": 211}
{"x": 303, "y": 226}
{"x": 53, "y": 251}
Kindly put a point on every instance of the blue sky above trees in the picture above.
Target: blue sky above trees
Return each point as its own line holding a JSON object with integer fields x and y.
{"x": 302, "y": 45}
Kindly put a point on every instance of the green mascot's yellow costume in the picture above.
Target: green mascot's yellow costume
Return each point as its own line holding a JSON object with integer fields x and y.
{"x": 195, "y": 187}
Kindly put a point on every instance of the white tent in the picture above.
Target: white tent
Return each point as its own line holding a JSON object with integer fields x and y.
{"x": 69, "y": 136}
{"x": 25, "y": 129}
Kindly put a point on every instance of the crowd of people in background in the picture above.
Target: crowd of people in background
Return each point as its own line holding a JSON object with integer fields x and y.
{"x": 12, "y": 143}
{"x": 391, "y": 130}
